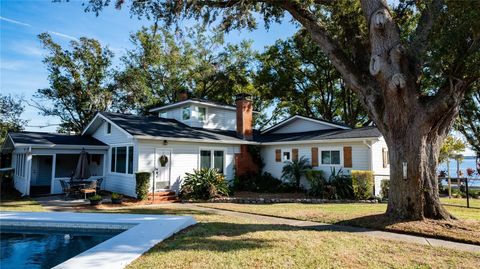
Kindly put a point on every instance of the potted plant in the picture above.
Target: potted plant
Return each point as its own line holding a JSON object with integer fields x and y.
{"x": 95, "y": 199}
{"x": 116, "y": 198}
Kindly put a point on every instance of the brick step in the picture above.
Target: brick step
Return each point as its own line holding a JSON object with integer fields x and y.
{"x": 163, "y": 199}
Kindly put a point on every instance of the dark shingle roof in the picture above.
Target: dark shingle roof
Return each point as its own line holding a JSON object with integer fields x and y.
{"x": 364, "y": 132}
{"x": 161, "y": 127}
{"x": 39, "y": 138}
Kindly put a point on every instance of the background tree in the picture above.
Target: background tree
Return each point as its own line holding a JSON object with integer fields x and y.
{"x": 469, "y": 121}
{"x": 451, "y": 147}
{"x": 79, "y": 85}
{"x": 11, "y": 110}
{"x": 302, "y": 80}
{"x": 409, "y": 66}
{"x": 162, "y": 64}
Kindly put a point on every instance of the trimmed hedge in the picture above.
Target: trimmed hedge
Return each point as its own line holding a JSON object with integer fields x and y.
{"x": 362, "y": 182}
{"x": 142, "y": 184}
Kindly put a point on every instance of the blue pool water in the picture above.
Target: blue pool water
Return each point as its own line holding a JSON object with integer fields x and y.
{"x": 45, "y": 249}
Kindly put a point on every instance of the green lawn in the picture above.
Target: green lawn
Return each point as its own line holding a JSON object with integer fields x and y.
{"x": 466, "y": 229}
{"x": 232, "y": 242}
{"x": 9, "y": 203}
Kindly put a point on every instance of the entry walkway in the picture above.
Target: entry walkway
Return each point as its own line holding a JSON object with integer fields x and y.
{"x": 56, "y": 203}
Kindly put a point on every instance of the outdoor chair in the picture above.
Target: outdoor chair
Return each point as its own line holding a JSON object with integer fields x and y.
{"x": 91, "y": 188}
{"x": 66, "y": 188}
{"x": 99, "y": 184}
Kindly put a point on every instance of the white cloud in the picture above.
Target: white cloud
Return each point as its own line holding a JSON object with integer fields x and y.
{"x": 15, "y": 21}
{"x": 12, "y": 65}
{"x": 62, "y": 35}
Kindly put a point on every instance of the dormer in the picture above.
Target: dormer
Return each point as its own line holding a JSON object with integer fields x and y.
{"x": 201, "y": 113}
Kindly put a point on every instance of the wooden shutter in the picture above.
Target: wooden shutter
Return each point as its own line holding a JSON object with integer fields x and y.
{"x": 385, "y": 157}
{"x": 314, "y": 157}
{"x": 278, "y": 155}
{"x": 347, "y": 157}
{"x": 294, "y": 154}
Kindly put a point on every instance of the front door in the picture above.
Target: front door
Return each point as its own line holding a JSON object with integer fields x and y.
{"x": 163, "y": 161}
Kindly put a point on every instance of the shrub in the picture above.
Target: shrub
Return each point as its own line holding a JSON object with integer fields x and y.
{"x": 384, "y": 188}
{"x": 293, "y": 171}
{"x": 258, "y": 183}
{"x": 95, "y": 197}
{"x": 142, "y": 184}
{"x": 317, "y": 183}
{"x": 204, "y": 184}
{"x": 116, "y": 196}
{"x": 339, "y": 185}
{"x": 362, "y": 183}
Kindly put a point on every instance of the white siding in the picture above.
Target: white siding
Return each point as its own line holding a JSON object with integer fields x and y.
{"x": 216, "y": 118}
{"x": 119, "y": 182}
{"x": 184, "y": 158}
{"x": 115, "y": 137}
{"x": 301, "y": 125}
{"x": 360, "y": 157}
{"x": 377, "y": 164}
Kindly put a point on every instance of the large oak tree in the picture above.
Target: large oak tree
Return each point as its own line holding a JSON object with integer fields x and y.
{"x": 410, "y": 67}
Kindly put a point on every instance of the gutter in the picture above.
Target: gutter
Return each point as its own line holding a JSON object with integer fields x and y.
{"x": 240, "y": 142}
{"x": 55, "y": 146}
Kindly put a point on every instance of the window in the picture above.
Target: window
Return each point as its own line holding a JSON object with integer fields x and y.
{"x": 202, "y": 113}
{"x": 122, "y": 160}
{"x": 212, "y": 159}
{"x": 20, "y": 164}
{"x": 386, "y": 161}
{"x": 130, "y": 160}
{"x": 109, "y": 128}
{"x": 286, "y": 156}
{"x": 186, "y": 113}
{"x": 331, "y": 157}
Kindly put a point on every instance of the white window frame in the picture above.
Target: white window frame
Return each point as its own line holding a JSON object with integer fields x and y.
{"x": 106, "y": 128}
{"x": 20, "y": 164}
{"x": 212, "y": 152}
{"x": 198, "y": 113}
{"x": 320, "y": 150}
{"x": 189, "y": 113}
{"x": 126, "y": 159}
{"x": 289, "y": 151}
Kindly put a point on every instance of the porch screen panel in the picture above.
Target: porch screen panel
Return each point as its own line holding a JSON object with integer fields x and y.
{"x": 205, "y": 159}
{"x": 121, "y": 162}
{"x": 130, "y": 160}
{"x": 112, "y": 165}
{"x": 218, "y": 160}
{"x": 65, "y": 165}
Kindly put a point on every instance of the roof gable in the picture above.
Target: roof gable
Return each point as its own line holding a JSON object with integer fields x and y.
{"x": 197, "y": 101}
{"x": 299, "y": 123}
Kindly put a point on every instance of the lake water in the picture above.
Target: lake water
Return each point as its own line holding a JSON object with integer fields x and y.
{"x": 468, "y": 162}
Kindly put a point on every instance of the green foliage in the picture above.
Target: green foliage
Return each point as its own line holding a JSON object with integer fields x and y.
{"x": 299, "y": 76}
{"x": 10, "y": 111}
{"x": 450, "y": 147}
{"x": 115, "y": 196}
{"x": 260, "y": 183}
{"x": 142, "y": 180}
{"x": 362, "y": 183}
{"x": 204, "y": 184}
{"x": 340, "y": 185}
{"x": 78, "y": 82}
{"x": 384, "y": 188}
{"x": 469, "y": 118}
{"x": 95, "y": 197}
{"x": 317, "y": 183}
{"x": 294, "y": 170}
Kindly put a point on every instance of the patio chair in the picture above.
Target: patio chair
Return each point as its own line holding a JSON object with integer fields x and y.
{"x": 91, "y": 188}
{"x": 66, "y": 188}
{"x": 99, "y": 184}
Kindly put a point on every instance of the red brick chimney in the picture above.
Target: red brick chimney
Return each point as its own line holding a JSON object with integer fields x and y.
{"x": 182, "y": 96}
{"x": 244, "y": 105}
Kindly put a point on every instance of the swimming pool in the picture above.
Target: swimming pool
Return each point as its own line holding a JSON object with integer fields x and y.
{"x": 46, "y": 248}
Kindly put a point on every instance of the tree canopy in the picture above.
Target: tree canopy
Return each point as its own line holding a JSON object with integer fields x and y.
{"x": 11, "y": 109}
{"x": 79, "y": 85}
{"x": 469, "y": 121}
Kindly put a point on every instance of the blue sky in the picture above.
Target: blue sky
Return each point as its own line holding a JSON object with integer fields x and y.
{"x": 21, "y": 67}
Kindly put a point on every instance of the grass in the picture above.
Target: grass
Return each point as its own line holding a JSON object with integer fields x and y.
{"x": 466, "y": 229}
{"x": 12, "y": 203}
{"x": 233, "y": 242}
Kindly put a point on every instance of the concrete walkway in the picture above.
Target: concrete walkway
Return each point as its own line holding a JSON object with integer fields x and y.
{"x": 50, "y": 203}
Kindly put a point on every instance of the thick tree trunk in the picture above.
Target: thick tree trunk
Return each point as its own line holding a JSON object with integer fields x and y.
{"x": 414, "y": 195}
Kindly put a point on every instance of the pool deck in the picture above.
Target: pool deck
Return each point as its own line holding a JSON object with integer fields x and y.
{"x": 144, "y": 232}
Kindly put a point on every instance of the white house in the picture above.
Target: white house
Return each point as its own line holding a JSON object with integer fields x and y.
{"x": 190, "y": 134}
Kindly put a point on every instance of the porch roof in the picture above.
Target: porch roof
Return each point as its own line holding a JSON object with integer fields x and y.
{"x": 53, "y": 139}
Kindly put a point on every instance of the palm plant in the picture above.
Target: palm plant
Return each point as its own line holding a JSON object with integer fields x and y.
{"x": 293, "y": 171}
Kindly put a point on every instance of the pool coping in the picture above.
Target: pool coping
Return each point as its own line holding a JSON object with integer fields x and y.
{"x": 142, "y": 233}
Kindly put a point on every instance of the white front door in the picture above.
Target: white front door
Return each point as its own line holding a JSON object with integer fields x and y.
{"x": 163, "y": 161}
